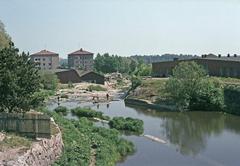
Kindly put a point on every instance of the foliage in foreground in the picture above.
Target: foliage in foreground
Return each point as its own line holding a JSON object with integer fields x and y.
{"x": 81, "y": 136}
{"x": 19, "y": 80}
{"x": 191, "y": 88}
{"x": 127, "y": 124}
{"x": 89, "y": 113}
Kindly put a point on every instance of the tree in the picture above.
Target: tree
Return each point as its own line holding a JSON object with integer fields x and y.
{"x": 49, "y": 80}
{"x": 19, "y": 80}
{"x": 191, "y": 88}
{"x": 4, "y": 37}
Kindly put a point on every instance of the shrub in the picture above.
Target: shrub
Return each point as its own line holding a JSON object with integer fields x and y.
{"x": 61, "y": 109}
{"x": 136, "y": 81}
{"x": 128, "y": 124}
{"x": 49, "y": 80}
{"x": 89, "y": 113}
{"x": 70, "y": 85}
{"x": 232, "y": 99}
{"x": 191, "y": 88}
{"x": 96, "y": 88}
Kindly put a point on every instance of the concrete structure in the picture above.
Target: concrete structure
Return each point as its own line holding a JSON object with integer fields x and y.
{"x": 46, "y": 60}
{"x": 80, "y": 59}
{"x": 76, "y": 76}
{"x": 215, "y": 66}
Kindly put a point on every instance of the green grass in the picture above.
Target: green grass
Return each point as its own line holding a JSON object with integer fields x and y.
{"x": 96, "y": 88}
{"x": 14, "y": 141}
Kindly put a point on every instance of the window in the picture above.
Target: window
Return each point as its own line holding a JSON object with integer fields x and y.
{"x": 50, "y": 64}
{"x": 43, "y": 59}
{"x": 43, "y": 64}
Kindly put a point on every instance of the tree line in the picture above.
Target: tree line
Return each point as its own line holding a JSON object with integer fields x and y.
{"x": 107, "y": 63}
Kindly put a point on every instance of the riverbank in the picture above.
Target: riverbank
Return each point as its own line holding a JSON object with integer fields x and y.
{"x": 86, "y": 144}
{"x": 152, "y": 94}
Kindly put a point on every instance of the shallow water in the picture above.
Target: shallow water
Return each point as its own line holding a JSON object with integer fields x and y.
{"x": 193, "y": 138}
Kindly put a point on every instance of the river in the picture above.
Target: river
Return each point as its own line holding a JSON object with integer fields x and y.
{"x": 193, "y": 138}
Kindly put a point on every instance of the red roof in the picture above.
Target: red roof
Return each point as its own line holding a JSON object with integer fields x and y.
{"x": 45, "y": 52}
{"x": 81, "y": 52}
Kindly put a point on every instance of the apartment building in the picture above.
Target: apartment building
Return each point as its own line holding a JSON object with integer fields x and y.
{"x": 80, "y": 59}
{"x": 46, "y": 60}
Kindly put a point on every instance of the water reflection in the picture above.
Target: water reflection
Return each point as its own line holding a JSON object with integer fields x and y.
{"x": 189, "y": 131}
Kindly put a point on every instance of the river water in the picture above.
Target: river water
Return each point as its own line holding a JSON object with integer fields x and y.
{"x": 193, "y": 138}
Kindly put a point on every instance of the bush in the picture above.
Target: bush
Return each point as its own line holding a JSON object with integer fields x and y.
{"x": 191, "y": 88}
{"x": 232, "y": 99}
{"x": 49, "y": 80}
{"x": 136, "y": 81}
{"x": 127, "y": 124}
{"x": 89, "y": 113}
{"x": 61, "y": 109}
{"x": 96, "y": 88}
{"x": 70, "y": 85}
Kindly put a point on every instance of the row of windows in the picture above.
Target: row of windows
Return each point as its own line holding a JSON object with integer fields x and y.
{"x": 43, "y": 59}
{"x": 82, "y": 57}
{"x": 50, "y": 64}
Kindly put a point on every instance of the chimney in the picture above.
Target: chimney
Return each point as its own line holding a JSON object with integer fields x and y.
{"x": 219, "y": 55}
{"x": 228, "y": 55}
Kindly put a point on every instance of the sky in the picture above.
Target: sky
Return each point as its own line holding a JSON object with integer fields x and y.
{"x": 124, "y": 27}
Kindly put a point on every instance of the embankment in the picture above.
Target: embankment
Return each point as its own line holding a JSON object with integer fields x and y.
{"x": 41, "y": 153}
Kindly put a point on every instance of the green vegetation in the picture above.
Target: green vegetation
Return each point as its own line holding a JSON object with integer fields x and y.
{"x": 13, "y": 141}
{"x": 49, "y": 80}
{"x": 61, "y": 109}
{"x": 136, "y": 81}
{"x": 108, "y": 64}
{"x": 4, "y": 37}
{"x": 96, "y": 88}
{"x": 19, "y": 80}
{"x": 89, "y": 113}
{"x": 70, "y": 85}
{"x": 232, "y": 99}
{"x": 81, "y": 136}
{"x": 190, "y": 88}
{"x": 127, "y": 124}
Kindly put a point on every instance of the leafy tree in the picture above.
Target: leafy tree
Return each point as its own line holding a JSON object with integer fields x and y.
{"x": 112, "y": 63}
{"x": 49, "y": 80}
{"x": 190, "y": 88}
{"x": 4, "y": 37}
{"x": 19, "y": 80}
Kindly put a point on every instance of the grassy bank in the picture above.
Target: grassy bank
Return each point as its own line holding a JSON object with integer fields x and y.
{"x": 81, "y": 137}
{"x": 153, "y": 91}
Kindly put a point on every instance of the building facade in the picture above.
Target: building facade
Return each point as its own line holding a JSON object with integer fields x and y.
{"x": 46, "y": 60}
{"x": 80, "y": 59}
{"x": 221, "y": 67}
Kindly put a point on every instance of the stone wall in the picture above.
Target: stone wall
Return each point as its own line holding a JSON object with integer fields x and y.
{"x": 43, "y": 152}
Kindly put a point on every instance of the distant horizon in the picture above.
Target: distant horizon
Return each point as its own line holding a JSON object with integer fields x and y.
{"x": 124, "y": 28}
